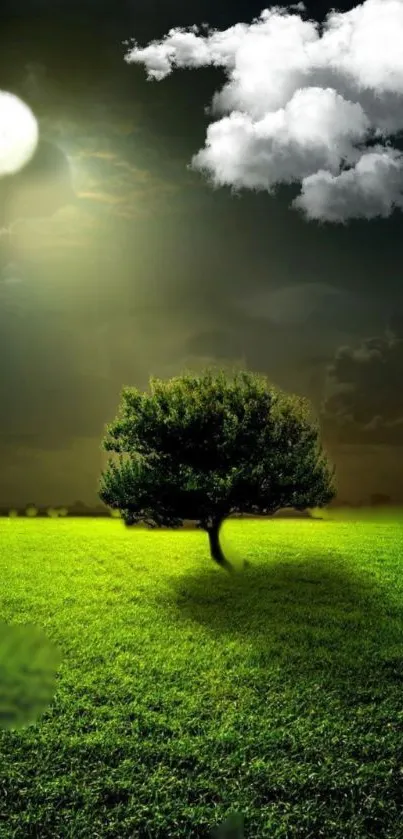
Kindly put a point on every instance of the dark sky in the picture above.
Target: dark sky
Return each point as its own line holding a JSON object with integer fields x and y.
{"x": 119, "y": 260}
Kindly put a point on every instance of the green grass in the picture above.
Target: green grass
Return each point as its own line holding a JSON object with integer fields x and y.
{"x": 183, "y": 693}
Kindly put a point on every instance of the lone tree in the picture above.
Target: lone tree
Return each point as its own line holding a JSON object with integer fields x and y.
{"x": 203, "y": 447}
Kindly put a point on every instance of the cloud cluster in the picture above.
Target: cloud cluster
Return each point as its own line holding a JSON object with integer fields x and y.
{"x": 304, "y": 104}
{"x": 363, "y": 396}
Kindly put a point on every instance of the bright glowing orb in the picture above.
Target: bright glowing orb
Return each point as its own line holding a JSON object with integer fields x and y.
{"x": 19, "y": 133}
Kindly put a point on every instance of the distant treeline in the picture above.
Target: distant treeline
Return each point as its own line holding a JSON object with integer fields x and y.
{"x": 32, "y": 510}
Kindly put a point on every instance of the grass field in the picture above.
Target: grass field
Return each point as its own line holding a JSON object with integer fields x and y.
{"x": 184, "y": 694}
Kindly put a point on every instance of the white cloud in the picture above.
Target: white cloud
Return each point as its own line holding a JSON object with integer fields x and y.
{"x": 301, "y": 104}
{"x": 373, "y": 187}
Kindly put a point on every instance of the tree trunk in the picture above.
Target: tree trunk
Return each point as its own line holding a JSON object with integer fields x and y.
{"x": 215, "y": 547}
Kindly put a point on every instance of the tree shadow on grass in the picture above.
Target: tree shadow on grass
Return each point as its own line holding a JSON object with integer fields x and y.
{"x": 314, "y": 618}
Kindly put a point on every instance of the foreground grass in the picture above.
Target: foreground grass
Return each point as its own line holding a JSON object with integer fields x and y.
{"x": 184, "y": 694}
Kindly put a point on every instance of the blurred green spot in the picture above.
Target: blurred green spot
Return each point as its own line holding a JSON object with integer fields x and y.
{"x": 31, "y": 512}
{"x": 28, "y": 666}
{"x": 232, "y": 828}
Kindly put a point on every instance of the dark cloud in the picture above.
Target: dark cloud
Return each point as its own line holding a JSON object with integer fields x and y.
{"x": 363, "y": 395}
{"x": 308, "y": 303}
{"x": 395, "y": 322}
{"x": 51, "y": 416}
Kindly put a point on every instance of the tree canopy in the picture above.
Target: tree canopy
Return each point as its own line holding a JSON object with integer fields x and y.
{"x": 206, "y": 446}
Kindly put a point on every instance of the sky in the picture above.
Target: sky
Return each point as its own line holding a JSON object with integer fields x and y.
{"x": 213, "y": 182}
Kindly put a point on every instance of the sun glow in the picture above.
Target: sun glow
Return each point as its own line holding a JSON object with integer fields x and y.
{"x": 19, "y": 133}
